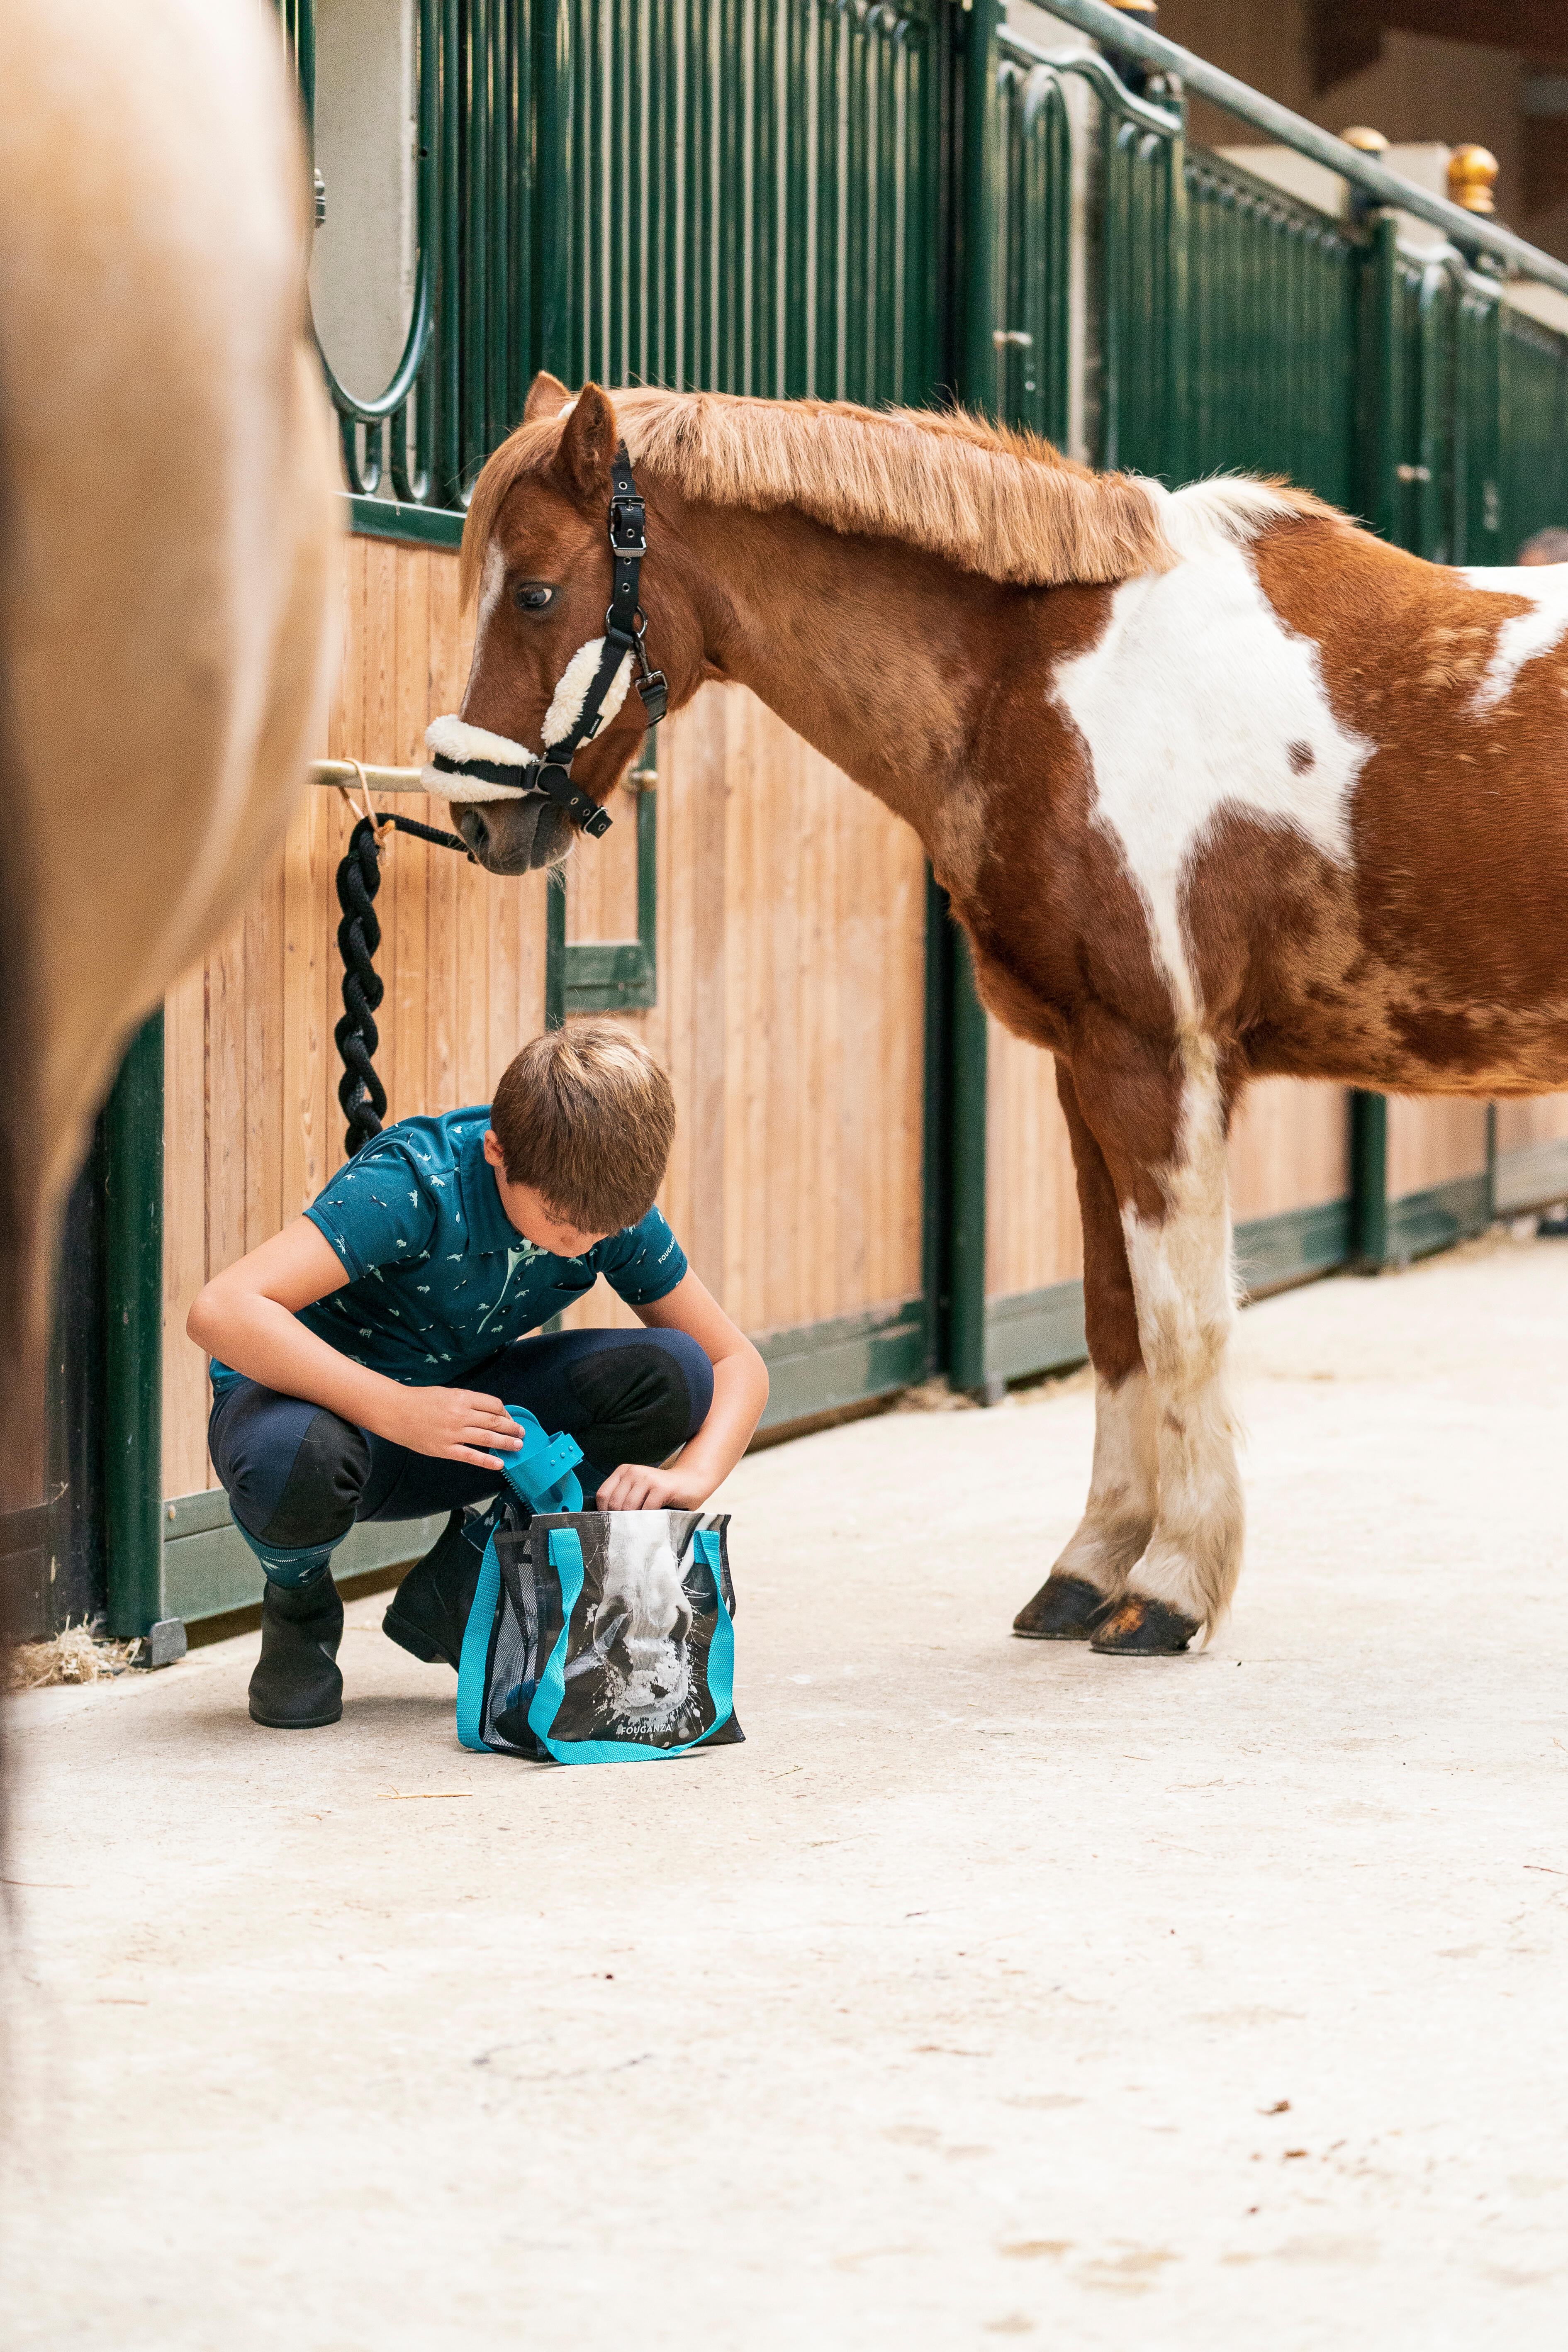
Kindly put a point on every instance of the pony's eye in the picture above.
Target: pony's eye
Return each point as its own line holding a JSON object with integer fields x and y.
{"x": 534, "y": 596}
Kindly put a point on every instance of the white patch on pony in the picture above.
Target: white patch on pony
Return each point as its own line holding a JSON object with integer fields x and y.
{"x": 454, "y": 739}
{"x": 1124, "y": 1488}
{"x": 1184, "y": 1284}
{"x": 566, "y": 705}
{"x": 1523, "y": 635}
{"x": 493, "y": 579}
{"x": 1194, "y": 702}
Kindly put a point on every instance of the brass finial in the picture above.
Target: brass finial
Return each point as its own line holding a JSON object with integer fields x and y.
{"x": 1137, "y": 7}
{"x": 1371, "y": 142}
{"x": 1472, "y": 177}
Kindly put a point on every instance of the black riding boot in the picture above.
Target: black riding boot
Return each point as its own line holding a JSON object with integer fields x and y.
{"x": 297, "y": 1685}
{"x": 430, "y": 1608}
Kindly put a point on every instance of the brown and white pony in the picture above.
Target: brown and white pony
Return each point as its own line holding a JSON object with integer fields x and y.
{"x": 1221, "y": 787}
{"x": 165, "y": 552}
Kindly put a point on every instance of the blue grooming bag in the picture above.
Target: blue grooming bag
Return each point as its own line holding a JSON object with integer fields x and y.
{"x": 596, "y": 1637}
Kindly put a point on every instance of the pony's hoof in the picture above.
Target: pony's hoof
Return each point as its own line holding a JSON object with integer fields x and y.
{"x": 1144, "y": 1629}
{"x": 1064, "y": 1608}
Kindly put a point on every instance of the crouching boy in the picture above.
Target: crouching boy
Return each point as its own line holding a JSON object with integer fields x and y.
{"x": 362, "y": 1360}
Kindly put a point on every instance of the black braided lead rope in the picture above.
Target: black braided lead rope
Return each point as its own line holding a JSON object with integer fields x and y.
{"x": 362, "y": 1098}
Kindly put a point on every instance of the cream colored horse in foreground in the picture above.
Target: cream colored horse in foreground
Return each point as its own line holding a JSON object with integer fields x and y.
{"x": 165, "y": 529}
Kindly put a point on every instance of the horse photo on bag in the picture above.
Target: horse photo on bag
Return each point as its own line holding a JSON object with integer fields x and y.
{"x": 641, "y": 1596}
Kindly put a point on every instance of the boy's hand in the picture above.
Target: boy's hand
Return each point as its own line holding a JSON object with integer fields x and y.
{"x": 635, "y": 1487}
{"x": 453, "y": 1425}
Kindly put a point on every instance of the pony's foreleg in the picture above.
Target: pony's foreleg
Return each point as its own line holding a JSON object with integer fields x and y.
{"x": 1091, "y": 1573}
{"x": 1160, "y": 1121}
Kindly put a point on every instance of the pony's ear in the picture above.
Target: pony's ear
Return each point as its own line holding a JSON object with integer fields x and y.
{"x": 588, "y": 442}
{"x": 547, "y": 397}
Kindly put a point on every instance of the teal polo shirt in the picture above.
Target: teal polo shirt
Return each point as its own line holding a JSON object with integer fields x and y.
{"x": 440, "y": 1277}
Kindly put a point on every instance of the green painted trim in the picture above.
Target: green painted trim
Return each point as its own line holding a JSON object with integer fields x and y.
{"x": 622, "y": 975}
{"x": 1034, "y": 1331}
{"x": 936, "y": 1124}
{"x": 1433, "y": 1220}
{"x": 209, "y": 1568}
{"x": 1292, "y": 1244}
{"x": 554, "y": 948}
{"x": 1369, "y": 1236}
{"x": 1533, "y": 1176}
{"x": 967, "y": 1362}
{"x": 977, "y": 293}
{"x": 389, "y": 518}
{"x": 133, "y": 1407}
{"x": 817, "y": 1367}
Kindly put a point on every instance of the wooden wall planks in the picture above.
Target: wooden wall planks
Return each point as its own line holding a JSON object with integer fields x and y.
{"x": 1289, "y": 1149}
{"x": 1521, "y": 1124}
{"x": 1032, "y": 1232}
{"x": 252, "y": 1128}
{"x": 1432, "y": 1141}
{"x": 791, "y": 1011}
{"x": 791, "y": 1017}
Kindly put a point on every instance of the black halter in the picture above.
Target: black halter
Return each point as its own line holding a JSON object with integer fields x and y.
{"x": 625, "y": 629}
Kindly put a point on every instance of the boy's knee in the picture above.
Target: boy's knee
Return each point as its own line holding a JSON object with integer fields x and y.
{"x": 643, "y": 1398}
{"x": 294, "y": 1472}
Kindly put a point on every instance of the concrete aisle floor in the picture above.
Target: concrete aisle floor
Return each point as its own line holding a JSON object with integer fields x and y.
{"x": 991, "y": 1990}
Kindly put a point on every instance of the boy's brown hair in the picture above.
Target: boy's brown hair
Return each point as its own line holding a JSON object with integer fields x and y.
{"x": 586, "y": 1117}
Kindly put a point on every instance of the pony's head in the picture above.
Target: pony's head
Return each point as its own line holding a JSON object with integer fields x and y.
{"x": 536, "y": 553}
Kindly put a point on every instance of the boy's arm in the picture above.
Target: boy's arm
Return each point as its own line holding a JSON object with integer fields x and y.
{"x": 248, "y": 1318}
{"x": 740, "y": 1392}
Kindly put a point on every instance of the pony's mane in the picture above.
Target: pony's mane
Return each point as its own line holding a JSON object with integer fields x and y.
{"x": 990, "y": 499}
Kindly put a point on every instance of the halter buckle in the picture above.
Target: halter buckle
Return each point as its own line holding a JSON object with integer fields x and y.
{"x": 652, "y": 684}
{"x": 628, "y": 534}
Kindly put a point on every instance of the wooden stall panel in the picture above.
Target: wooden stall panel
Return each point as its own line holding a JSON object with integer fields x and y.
{"x": 1531, "y": 1153}
{"x": 1033, "y": 1237}
{"x": 1438, "y": 1142}
{"x": 1289, "y": 1149}
{"x": 1289, "y": 1153}
{"x": 252, "y": 1126}
{"x": 791, "y": 1017}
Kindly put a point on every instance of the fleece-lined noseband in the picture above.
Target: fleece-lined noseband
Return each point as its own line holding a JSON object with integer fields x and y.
{"x": 469, "y": 763}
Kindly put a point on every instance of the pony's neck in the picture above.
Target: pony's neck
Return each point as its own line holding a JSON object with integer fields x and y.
{"x": 873, "y": 651}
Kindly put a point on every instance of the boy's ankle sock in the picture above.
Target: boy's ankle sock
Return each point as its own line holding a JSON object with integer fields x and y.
{"x": 297, "y": 1685}
{"x": 290, "y": 1567}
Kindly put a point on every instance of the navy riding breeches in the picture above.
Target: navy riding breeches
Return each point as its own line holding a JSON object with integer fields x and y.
{"x": 298, "y": 1476}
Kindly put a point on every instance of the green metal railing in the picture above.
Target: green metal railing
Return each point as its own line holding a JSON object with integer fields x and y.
{"x": 735, "y": 195}
{"x": 1271, "y": 333}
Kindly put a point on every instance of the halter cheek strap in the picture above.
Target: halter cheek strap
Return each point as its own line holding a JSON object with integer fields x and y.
{"x": 468, "y": 764}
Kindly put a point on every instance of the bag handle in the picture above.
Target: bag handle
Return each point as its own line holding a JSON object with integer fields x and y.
{"x": 566, "y": 1557}
{"x": 540, "y": 1474}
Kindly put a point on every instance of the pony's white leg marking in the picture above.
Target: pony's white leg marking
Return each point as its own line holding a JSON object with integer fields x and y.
{"x": 1184, "y": 1283}
{"x": 1124, "y": 1485}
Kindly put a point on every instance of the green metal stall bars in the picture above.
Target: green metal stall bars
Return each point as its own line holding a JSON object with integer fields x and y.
{"x": 133, "y": 1308}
